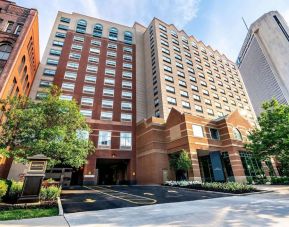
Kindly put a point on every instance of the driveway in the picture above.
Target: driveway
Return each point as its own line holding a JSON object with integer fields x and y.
{"x": 109, "y": 197}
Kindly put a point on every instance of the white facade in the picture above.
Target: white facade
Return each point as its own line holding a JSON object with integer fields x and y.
{"x": 263, "y": 60}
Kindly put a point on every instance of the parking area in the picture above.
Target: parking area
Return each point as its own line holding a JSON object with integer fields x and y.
{"x": 79, "y": 199}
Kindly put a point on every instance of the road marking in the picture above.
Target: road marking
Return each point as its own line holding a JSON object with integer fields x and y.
{"x": 135, "y": 199}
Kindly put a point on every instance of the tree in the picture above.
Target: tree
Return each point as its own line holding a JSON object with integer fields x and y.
{"x": 180, "y": 162}
{"x": 52, "y": 127}
{"x": 271, "y": 138}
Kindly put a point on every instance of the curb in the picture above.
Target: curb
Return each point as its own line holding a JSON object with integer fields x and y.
{"x": 222, "y": 193}
{"x": 60, "y": 208}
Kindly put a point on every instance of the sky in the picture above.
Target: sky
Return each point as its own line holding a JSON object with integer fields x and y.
{"x": 217, "y": 23}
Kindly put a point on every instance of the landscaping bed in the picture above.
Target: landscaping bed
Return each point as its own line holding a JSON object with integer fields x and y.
{"x": 10, "y": 192}
{"x": 228, "y": 187}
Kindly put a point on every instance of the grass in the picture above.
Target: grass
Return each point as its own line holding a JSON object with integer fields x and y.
{"x": 15, "y": 214}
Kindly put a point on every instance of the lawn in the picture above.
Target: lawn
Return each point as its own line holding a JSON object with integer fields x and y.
{"x": 14, "y": 214}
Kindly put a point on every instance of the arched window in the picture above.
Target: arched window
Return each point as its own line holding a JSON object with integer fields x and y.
{"x": 81, "y": 26}
{"x": 237, "y": 134}
{"x": 113, "y": 32}
{"x": 24, "y": 74}
{"x": 97, "y": 30}
{"x": 22, "y": 63}
{"x": 5, "y": 50}
{"x": 128, "y": 37}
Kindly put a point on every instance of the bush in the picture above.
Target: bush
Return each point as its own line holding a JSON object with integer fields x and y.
{"x": 3, "y": 188}
{"x": 14, "y": 191}
{"x": 49, "y": 193}
{"x": 280, "y": 180}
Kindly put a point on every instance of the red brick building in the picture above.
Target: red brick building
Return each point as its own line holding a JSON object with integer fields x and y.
{"x": 19, "y": 55}
{"x": 216, "y": 148}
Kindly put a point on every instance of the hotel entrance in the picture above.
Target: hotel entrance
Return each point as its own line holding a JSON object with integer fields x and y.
{"x": 112, "y": 171}
{"x": 215, "y": 166}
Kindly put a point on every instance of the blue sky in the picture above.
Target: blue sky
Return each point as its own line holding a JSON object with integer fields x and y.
{"x": 217, "y": 23}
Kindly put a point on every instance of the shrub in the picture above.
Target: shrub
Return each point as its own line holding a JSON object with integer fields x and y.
{"x": 3, "y": 188}
{"x": 279, "y": 180}
{"x": 50, "y": 193}
{"x": 14, "y": 191}
{"x": 233, "y": 187}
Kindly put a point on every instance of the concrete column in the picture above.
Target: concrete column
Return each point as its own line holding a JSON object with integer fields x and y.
{"x": 237, "y": 166}
{"x": 196, "y": 176}
{"x": 266, "y": 169}
{"x": 273, "y": 161}
{"x": 89, "y": 172}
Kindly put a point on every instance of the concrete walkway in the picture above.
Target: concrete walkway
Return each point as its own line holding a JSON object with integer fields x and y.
{"x": 267, "y": 209}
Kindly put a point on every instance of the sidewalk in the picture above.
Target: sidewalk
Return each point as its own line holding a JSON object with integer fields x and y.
{"x": 55, "y": 221}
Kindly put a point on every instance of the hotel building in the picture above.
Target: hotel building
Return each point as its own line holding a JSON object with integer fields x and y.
{"x": 19, "y": 56}
{"x": 263, "y": 60}
{"x": 147, "y": 93}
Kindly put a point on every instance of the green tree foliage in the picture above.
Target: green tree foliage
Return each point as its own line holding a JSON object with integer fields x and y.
{"x": 180, "y": 161}
{"x": 272, "y": 137}
{"x": 52, "y": 127}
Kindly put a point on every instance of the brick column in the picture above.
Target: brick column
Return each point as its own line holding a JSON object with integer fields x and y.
{"x": 90, "y": 174}
{"x": 237, "y": 166}
{"x": 273, "y": 161}
{"x": 195, "y": 167}
{"x": 266, "y": 169}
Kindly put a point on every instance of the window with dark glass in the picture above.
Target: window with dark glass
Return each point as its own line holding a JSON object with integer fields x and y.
{"x": 113, "y": 33}
{"x": 97, "y": 30}
{"x": 128, "y": 37}
{"x": 81, "y": 26}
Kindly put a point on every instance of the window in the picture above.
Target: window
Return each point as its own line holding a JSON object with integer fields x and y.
{"x": 125, "y": 140}
{"x": 169, "y": 78}
{"x": 94, "y": 51}
{"x": 197, "y": 97}
{"x": 63, "y": 27}
{"x": 198, "y": 131}
{"x": 126, "y": 84}
{"x": 126, "y": 94}
{"x": 237, "y": 134}
{"x": 108, "y": 92}
{"x": 165, "y": 50}
{"x": 167, "y": 68}
{"x": 163, "y": 28}
{"x": 91, "y": 68}
{"x": 111, "y": 54}
{"x": 180, "y": 65}
{"x": 170, "y": 89}
{"x": 109, "y": 72}
{"x": 18, "y": 29}
{"x": 126, "y": 74}
{"x": 126, "y": 117}
{"x": 81, "y": 26}
{"x": 113, "y": 33}
{"x": 208, "y": 101}
{"x": 60, "y": 35}
{"x": 126, "y": 105}
{"x": 111, "y": 63}
{"x": 166, "y": 59}
{"x": 127, "y": 65}
{"x": 205, "y": 92}
{"x": 78, "y": 38}
{"x": 107, "y": 103}
{"x": 49, "y": 72}
{"x": 57, "y": 43}
{"x": 76, "y": 47}
{"x": 194, "y": 88}
{"x": 104, "y": 115}
{"x": 127, "y": 57}
{"x": 66, "y": 97}
{"x": 41, "y": 95}
{"x": 93, "y": 59}
{"x": 127, "y": 37}
{"x": 172, "y": 101}
{"x": 165, "y": 43}
{"x": 184, "y": 94}
{"x": 45, "y": 83}
{"x": 112, "y": 46}
{"x": 109, "y": 81}
{"x": 181, "y": 74}
{"x": 210, "y": 112}
{"x": 182, "y": 83}
{"x": 70, "y": 75}
{"x": 214, "y": 134}
{"x": 104, "y": 139}
{"x": 52, "y": 61}
{"x": 97, "y": 30}
{"x": 186, "y": 105}
{"x": 5, "y": 50}
{"x": 87, "y": 101}
{"x": 9, "y": 26}
{"x": 90, "y": 79}
{"x": 88, "y": 89}
{"x": 68, "y": 86}
{"x": 198, "y": 108}
{"x": 74, "y": 56}
{"x": 127, "y": 49}
{"x": 72, "y": 65}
